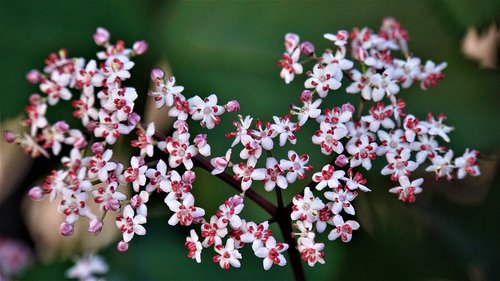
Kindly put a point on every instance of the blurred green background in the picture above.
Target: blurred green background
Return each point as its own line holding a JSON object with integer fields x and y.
{"x": 231, "y": 48}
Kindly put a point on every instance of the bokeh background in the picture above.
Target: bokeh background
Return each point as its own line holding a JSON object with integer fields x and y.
{"x": 231, "y": 48}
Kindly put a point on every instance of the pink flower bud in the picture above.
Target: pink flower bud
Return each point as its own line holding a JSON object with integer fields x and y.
{"x": 200, "y": 140}
{"x": 33, "y": 76}
{"x": 140, "y": 47}
{"x": 189, "y": 177}
{"x": 97, "y": 148}
{"x": 114, "y": 204}
{"x": 61, "y": 126}
{"x": 95, "y": 226}
{"x": 307, "y": 48}
{"x": 236, "y": 200}
{"x": 134, "y": 119}
{"x": 348, "y": 107}
{"x": 122, "y": 246}
{"x": 9, "y": 136}
{"x": 220, "y": 163}
{"x": 306, "y": 96}
{"x": 341, "y": 160}
{"x": 36, "y": 193}
{"x": 233, "y": 106}
{"x": 361, "y": 54}
{"x": 291, "y": 41}
{"x": 181, "y": 126}
{"x": 157, "y": 73}
{"x": 135, "y": 201}
{"x": 66, "y": 229}
{"x": 101, "y": 36}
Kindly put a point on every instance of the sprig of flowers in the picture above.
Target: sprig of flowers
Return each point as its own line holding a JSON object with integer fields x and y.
{"x": 352, "y": 138}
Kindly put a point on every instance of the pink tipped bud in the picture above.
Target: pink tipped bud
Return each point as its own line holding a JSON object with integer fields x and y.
{"x": 97, "y": 148}
{"x": 95, "y": 226}
{"x": 36, "y": 193}
{"x": 122, "y": 246}
{"x": 189, "y": 177}
{"x": 114, "y": 204}
{"x": 61, "y": 126}
{"x": 291, "y": 41}
{"x": 219, "y": 163}
{"x": 101, "y": 36}
{"x": 135, "y": 201}
{"x": 307, "y": 48}
{"x": 306, "y": 96}
{"x": 9, "y": 136}
{"x": 33, "y": 76}
{"x": 181, "y": 126}
{"x": 348, "y": 107}
{"x": 157, "y": 73}
{"x": 233, "y": 106}
{"x": 134, "y": 119}
{"x": 341, "y": 160}
{"x": 66, "y": 229}
{"x": 140, "y": 47}
{"x": 200, "y": 140}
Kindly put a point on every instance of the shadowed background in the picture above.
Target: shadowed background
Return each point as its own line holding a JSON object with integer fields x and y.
{"x": 232, "y": 49}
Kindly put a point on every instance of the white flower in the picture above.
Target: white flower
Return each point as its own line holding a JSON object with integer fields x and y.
{"x": 145, "y": 140}
{"x": 467, "y": 164}
{"x": 164, "y": 94}
{"x": 339, "y": 58}
{"x": 180, "y": 153}
{"x": 229, "y": 211}
{"x": 274, "y": 175}
{"x": 271, "y": 253}
{"x": 399, "y": 164}
{"x": 227, "y": 256}
{"x": 342, "y": 229}
{"x": 363, "y": 152}
{"x": 247, "y": 173}
{"x": 285, "y": 129}
{"x": 116, "y": 69}
{"x": 135, "y": 174}
{"x": 129, "y": 224}
{"x": 442, "y": 165}
{"x": 213, "y": 231}
{"x": 437, "y": 128}
{"x": 264, "y": 135}
{"x": 205, "y": 110}
{"x": 87, "y": 267}
{"x": 99, "y": 165}
{"x": 308, "y": 110}
{"x": 310, "y": 251}
{"x": 290, "y": 65}
{"x": 296, "y": 166}
{"x": 194, "y": 246}
{"x": 184, "y": 213}
{"x": 431, "y": 74}
{"x": 324, "y": 78}
{"x": 379, "y": 115}
{"x": 306, "y": 208}
{"x": 341, "y": 199}
{"x": 340, "y": 38}
{"x": 328, "y": 176}
{"x": 407, "y": 190}
{"x": 256, "y": 234}
{"x": 328, "y": 137}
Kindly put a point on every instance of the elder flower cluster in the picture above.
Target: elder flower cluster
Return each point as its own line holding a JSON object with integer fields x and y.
{"x": 163, "y": 165}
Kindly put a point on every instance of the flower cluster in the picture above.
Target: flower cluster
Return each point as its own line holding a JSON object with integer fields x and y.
{"x": 163, "y": 165}
{"x": 385, "y": 131}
